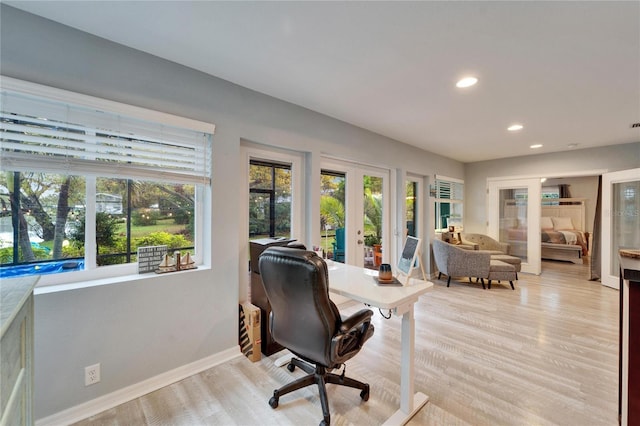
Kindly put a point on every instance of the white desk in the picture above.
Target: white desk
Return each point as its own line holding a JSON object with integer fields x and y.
{"x": 359, "y": 284}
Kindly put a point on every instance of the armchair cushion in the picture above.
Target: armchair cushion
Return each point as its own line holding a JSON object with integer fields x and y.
{"x": 485, "y": 242}
{"x": 454, "y": 261}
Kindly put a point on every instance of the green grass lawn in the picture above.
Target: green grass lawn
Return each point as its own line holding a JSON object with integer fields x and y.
{"x": 163, "y": 225}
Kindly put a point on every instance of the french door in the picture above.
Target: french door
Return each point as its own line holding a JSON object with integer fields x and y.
{"x": 365, "y": 221}
{"x": 513, "y": 213}
{"x": 620, "y": 220}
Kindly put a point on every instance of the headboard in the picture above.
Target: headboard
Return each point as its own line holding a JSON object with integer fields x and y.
{"x": 566, "y": 207}
{"x": 551, "y": 207}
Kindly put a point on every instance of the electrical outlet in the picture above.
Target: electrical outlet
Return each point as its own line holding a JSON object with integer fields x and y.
{"x": 92, "y": 374}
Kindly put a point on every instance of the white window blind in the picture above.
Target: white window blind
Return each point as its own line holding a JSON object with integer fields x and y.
{"x": 449, "y": 189}
{"x": 59, "y": 137}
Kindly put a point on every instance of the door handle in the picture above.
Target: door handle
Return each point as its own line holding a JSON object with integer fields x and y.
{"x": 360, "y": 242}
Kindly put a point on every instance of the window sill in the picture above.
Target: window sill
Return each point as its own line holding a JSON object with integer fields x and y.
{"x": 55, "y": 288}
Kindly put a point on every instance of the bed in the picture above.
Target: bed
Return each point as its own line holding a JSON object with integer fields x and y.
{"x": 562, "y": 230}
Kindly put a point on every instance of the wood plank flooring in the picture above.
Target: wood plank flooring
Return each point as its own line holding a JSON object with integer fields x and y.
{"x": 544, "y": 354}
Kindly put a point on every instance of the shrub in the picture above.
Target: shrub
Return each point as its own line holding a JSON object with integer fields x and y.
{"x": 40, "y": 253}
{"x": 161, "y": 238}
{"x": 145, "y": 217}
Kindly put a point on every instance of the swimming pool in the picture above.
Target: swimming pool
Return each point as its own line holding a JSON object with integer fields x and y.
{"x": 66, "y": 265}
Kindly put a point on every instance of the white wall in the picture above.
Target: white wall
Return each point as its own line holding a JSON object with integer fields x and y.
{"x": 138, "y": 330}
{"x": 610, "y": 158}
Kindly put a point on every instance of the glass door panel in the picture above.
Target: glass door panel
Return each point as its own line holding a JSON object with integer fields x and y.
{"x": 514, "y": 215}
{"x": 372, "y": 220}
{"x": 352, "y": 207}
{"x": 411, "y": 208}
{"x": 514, "y": 204}
{"x": 333, "y": 214}
{"x": 624, "y": 221}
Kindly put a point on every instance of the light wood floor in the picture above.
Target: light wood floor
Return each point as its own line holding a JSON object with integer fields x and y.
{"x": 544, "y": 354}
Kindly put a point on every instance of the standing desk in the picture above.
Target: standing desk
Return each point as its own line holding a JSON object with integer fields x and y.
{"x": 359, "y": 284}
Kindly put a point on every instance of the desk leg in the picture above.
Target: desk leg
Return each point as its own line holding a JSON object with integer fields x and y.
{"x": 410, "y": 403}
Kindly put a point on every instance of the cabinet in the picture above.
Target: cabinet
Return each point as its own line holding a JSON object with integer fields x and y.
{"x": 16, "y": 350}
{"x": 629, "y": 359}
{"x": 258, "y": 295}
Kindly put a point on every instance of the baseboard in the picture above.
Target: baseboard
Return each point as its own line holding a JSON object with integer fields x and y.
{"x": 105, "y": 402}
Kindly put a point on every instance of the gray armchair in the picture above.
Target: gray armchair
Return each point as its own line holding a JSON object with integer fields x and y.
{"x": 456, "y": 262}
{"x": 485, "y": 242}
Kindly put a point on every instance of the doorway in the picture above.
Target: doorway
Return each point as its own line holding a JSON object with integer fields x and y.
{"x": 354, "y": 213}
{"x": 620, "y": 220}
{"x": 514, "y": 218}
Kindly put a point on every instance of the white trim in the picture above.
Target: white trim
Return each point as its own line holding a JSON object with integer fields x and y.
{"x": 608, "y": 278}
{"x": 58, "y": 95}
{"x": 249, "y": 151}
{"x": 354, "y": 210}
{"x": 113, "y": 399}
{"x": 450, "y": 179}
{"x": 533, "y": 262}
{"x": 329, "y": 158}
{"x": 295, "y": 159}
{"x": 580, "y": 173}
{"x": 417, "y": 221}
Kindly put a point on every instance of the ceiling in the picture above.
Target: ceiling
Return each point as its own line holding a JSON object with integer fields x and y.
{"x": 568, "y": 71}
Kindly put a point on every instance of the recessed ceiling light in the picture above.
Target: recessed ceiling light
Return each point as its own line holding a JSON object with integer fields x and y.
{"x": 466, "y": 82}
{"x": 515, "y": 127}
{"x": 536, "y": 146}
{"x": 572, "y": 145}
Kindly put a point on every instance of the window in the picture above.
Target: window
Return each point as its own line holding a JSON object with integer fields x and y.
{"x": 412, "y": 201}
{"x": 552, "y": 192}
{"x": 449, "y": 205}
{"x": 269, "y": 199}
{"x": 82, "y": 187}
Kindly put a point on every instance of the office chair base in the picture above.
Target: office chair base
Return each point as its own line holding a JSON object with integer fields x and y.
{"x": 317, "y": 375}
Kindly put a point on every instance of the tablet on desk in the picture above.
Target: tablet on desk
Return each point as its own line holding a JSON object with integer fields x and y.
{"x": 409, "y": 254}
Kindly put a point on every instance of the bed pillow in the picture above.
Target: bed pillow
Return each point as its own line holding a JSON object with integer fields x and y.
{"x": 562, "y": 223}
{"x": 546, "y": 222}
{"x": 508, "y": 223}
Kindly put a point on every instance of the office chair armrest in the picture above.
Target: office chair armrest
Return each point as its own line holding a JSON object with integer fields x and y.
{"x": 356, "y": 320}
{"x": 354, "y": 331}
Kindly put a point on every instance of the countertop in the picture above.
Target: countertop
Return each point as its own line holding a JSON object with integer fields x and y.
{"x": 13, "y": 293}
{"x": 630, "y": 268}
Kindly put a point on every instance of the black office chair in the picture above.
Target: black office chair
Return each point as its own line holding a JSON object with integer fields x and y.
{"x": 305, "y": 321}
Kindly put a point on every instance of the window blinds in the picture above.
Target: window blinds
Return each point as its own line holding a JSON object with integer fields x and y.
{"x": 38, "y": 134}
{"x": 449, "y": 190}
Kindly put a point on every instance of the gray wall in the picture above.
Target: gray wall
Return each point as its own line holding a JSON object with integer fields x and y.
{"x": 610, "y": 158}
{"x": 140, "y": 329}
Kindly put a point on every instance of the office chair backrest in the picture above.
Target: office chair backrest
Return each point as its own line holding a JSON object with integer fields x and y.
{"x": 304, "y": 319}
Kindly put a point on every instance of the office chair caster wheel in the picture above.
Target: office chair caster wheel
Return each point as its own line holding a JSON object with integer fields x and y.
{"x": 273, "y": 402}
{"x": 365, "y": 394}
{"x": 291, "y": 367}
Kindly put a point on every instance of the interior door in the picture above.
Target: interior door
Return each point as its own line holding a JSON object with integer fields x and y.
{"x": 513, "y": 214}
{"x": 366, "y": 211}
{"x": 620, "y": 220}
